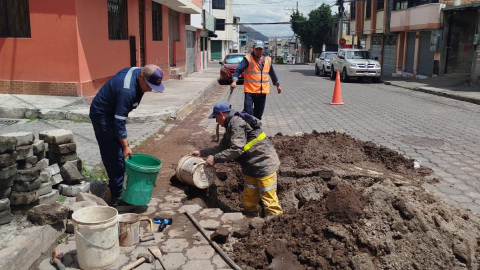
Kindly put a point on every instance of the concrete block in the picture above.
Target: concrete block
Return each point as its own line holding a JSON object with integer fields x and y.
{"x": 41, "y": 155}
{"x": 70, "y": 228}
{"x": 7, "y": 144}
{"x": 23, "y": 186}
{"x": 47, "y": 214}
{"x": 22, "y": 209}
{"x": 56, "y": 179}
{"x": 45, "y": 175}
{"x": 38, "y": 146}
{"x": 24, "y": 151}
{"x": 5, "y": 217}
{"x": 59, "y": 158}
{"x": 49, "y": 198}
{"x": 42, "y": 164}
{"x": 79, "y": 205}
{"x": 27, "y": 175}
{"x": 4, "y": 183}
{"x": 54, "y": 169}
{"x": 28, "y": 163}
{"x": 45, "y": 188}
{"x": 73, "y": 191}
{"x": 70, "y": 174}
{"x": 17, "y": 198}
{"x": 22, "y": 138}
{"x": 57, "y": 136}
{"x": 5, "y": 205}
{"x": 7, "y": 159}
{"x": 5, "y": 192}
{"x": 90, "y": 197}
{"x": 66, "y": 148}
{"x": 8, "y": 172}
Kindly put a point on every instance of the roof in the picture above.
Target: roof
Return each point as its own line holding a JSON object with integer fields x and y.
{"x": 460, "y": 7}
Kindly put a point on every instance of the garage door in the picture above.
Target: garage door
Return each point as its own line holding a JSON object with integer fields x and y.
{"x": 425, "y": 56}
{"x": 410, "y": 52}
{"x": 389, "y": 54}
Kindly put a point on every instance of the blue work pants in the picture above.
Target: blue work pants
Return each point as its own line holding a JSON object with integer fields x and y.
{"x": 254, "y": 104}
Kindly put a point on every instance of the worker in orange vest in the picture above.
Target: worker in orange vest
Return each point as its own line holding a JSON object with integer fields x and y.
{"x": 257, "y": 67}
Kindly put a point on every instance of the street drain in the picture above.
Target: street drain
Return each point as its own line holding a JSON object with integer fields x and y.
{"x": 8, "y": 122}
{"x": 421, "y": 141}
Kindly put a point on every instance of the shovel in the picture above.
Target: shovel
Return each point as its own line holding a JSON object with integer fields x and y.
{"x": 157, "y": 254}
{"x": 218, "y": 126}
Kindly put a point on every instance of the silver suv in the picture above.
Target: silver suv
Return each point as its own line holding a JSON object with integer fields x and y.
{"x": 322, "y": 63}
{"x": 355, "y": 63}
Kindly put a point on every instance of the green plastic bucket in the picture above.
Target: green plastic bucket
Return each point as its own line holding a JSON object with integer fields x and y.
{"x": 140, "y": 176}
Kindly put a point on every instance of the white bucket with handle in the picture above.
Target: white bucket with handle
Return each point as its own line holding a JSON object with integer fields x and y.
{"x": 96, "y": 237}
{"x": 193, "y": 171}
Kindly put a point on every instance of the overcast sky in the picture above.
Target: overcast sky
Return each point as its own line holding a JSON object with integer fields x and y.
{"x": 261, "y": 11}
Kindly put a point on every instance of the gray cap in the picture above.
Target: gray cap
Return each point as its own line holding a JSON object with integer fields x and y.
{"x": 258, "y": 44}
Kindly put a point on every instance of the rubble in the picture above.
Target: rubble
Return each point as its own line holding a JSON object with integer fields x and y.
{"x": 47, "y": 214}
{"x": 22, "y": 138}
{"x": 82, "y": 196}
{"x": 7, "y": 144}
{"x": 57, "y": 136}
{"x": 70, "y": 174}
{"x": 74, "y": 190}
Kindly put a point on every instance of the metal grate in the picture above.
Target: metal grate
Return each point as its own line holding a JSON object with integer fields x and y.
{"x": 8, "y": 122}
{"x": 157, "y": 21}
{"x": 117, "y": 19}
{"x": 14, "y": 18}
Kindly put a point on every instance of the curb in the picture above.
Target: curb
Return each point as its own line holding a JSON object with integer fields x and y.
{"x": 192, "y": 104}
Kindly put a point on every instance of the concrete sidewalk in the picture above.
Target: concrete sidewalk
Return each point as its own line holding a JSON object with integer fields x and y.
{"x": 179, "y": 99}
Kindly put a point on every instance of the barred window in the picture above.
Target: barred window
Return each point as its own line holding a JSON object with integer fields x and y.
{"x": 218, "y": 4}
{"x": 157, "y": 21}
{"x": 380, "y": 4}
{"x": 368, "y": 12}
{"x": 219, "y": 24}
{"x": 117, "y": 19}
{"x": 14, "y": 18}
{"x": 353, "y": 7}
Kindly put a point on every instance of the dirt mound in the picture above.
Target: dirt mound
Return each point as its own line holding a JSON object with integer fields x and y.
{"x": 349, "y": 204}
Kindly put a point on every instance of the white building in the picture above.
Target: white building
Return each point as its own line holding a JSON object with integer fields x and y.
{"x": 220, "y": 45}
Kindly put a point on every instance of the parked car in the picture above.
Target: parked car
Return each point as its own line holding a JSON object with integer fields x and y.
{"x": 322, "y": 64}
{"x": 229, "y": 64}
{"x": 355, "y": 63}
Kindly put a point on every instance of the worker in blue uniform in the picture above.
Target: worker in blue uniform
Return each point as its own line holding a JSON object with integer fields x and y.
{"x": 109, "y": 111}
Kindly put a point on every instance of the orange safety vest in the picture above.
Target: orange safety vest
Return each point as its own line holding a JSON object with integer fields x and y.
{"x": 257, "y": 81}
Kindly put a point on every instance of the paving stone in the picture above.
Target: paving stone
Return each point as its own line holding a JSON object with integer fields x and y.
{"x": 24, "y": 186}
{"x": 47, "y": 214}
{"x": 79, "y": 205}
{"x": 22, "y": 138}
{"x": 191, "y": 208}
{"x": 175, "y": 261}
{"x": 24, "y": 152}
{"x": 56, "y": 179}
{"x": 42, "y": 164}
{"x": 220, "y": 236}
{"x": 27, "y": 175}
{"x": 209, "y": 223}
{"x": 82, "y": 196}
{"x": 219, "y": 262}
{"x": 70, "y": 174}
{"x": 174, "y": 245}
{"x": 74, "y": 190}
{"x": 204, "y": 252}
{"x": 174, "y": 199}
{"x": 45, "y": 188}
{"x": 256, "y": 223}
{"x": 49, "y": 198}
{"x": 66, "y": 148}
{"x": 5, "y": 217}
{"x": 38, "y": 146}
{"x": 5, "y": 192}
{"x": 28, "y": 163}
{"x": 41, "y": 155}
{"x": 8, "y": 172}
{"x": 7, "y": 159}
{"x": 198, "y": 264}
{"x": 7, "y": 144}
{"x": 4, "y": 204}
{"x": 18, "y": 198}
{"x": 54, "y": 169}
{"x": 61, "y": 158}
{"x": 56, "y": 136}
{"x": 232, "y": 217}
{"x": 211, "y": 212}
{"x": 4, "y": 183}
{"x": 460, "y": 198}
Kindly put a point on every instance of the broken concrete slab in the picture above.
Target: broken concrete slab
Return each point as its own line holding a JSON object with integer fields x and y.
{"x": 22, "y": 138}
{"x": 7, "y": 144}
{"x": 8, "y": 172}
{"x": 74, "y": 190}
{"x": 5, "y": 192}
{"x": 7, "y": 159}
{"x": 56, "y": 179}
{"x": 42, "y": 164}
{"x": 38, "y": 146}
{"x": 220, "y": 236}
{"x": 79, "y": 205}
{"x": 24, "y": 186}
{"x": 4, "y": 183}
{"x": 23, "y": 152}
{"x": 256, "y": 223}
{"x": 82, "y": 196}
{"x": 18, "y": 198}
{"x": 47, "y": 214}
{"x": 28, "y": 163}
{"x": 49, "y": 198}
{"x": 5, "y": 217}
{"x": 70, "y": 174}
{"x": 27, "y": 175}
{"x": 45, "y": 176}
{"x": 54, "y": 169}
{"x": 60, "y": 158}
{"x": 45, "y": 188}
{"x": 4, "y": 204}
{"x": 56, "y": 136}
{"x": 66, "y": 148}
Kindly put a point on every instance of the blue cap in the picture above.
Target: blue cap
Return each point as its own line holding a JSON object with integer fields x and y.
{"x": 153, "y": 76}
{"x": 220, "y": 107}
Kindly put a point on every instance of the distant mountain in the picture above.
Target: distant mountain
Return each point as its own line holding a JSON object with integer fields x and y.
{"x": 253, "y": 34}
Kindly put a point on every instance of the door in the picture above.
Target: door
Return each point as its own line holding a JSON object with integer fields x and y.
{"x": 216, "y": 50}
{"x": 425, "y": 55}
{"x": 141, "y": 7}
{"x": 389, "y": 54}
{"x": 410, "y": 52}
{"x": 376, "y": 49}
{"x": 460, "y": 41}
{"x": 172, "y": 34}
{"x": 191, "y": 56}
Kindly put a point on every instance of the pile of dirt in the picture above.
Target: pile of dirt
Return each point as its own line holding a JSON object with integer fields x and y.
{"x": 349, "y": 204}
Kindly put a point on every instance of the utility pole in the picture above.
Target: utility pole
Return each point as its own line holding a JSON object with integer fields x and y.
{"x": 341, "y": 9}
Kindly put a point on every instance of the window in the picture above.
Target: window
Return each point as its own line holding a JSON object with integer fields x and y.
{"x": 368, "y": 12}
{"x": 156, "y": 21}
{"x": 233, "y": 59}
{"x": 380, "y": 4}
{"x": 359, "y": 55}
{"x": 404, "y": 4}
{"x": 330, "y": 55}
{"x": 14, "y": 18}
{"x": 117, "y": 19}
{"x": 218, "y": 4}
{"x": 353, "y": 7}
{"x": 219, "y": 24}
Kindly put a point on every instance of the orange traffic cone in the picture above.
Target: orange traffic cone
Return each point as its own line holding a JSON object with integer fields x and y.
{"x": 337, "y": 92}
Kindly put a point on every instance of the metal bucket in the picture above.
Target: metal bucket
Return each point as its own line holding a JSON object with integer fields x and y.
{"x": 129, "y": 225}
{"x": 193, "y": 171}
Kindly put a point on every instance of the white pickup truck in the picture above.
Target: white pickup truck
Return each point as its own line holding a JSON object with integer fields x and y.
{"x": 355, "y": 63}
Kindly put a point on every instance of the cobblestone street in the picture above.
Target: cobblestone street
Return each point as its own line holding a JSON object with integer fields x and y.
{"x": 442, "y": 133}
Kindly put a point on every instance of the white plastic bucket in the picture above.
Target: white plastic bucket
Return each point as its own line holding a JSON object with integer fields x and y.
{"x": 96, "y": 237}
{"x": 192, "y": 171}
{"x": 129, "y": 225}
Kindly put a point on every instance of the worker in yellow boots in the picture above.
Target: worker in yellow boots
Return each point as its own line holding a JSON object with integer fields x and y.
{"x": 245, "y": 142}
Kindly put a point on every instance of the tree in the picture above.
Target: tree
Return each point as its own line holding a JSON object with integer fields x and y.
{"x": 314, "y": 31}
